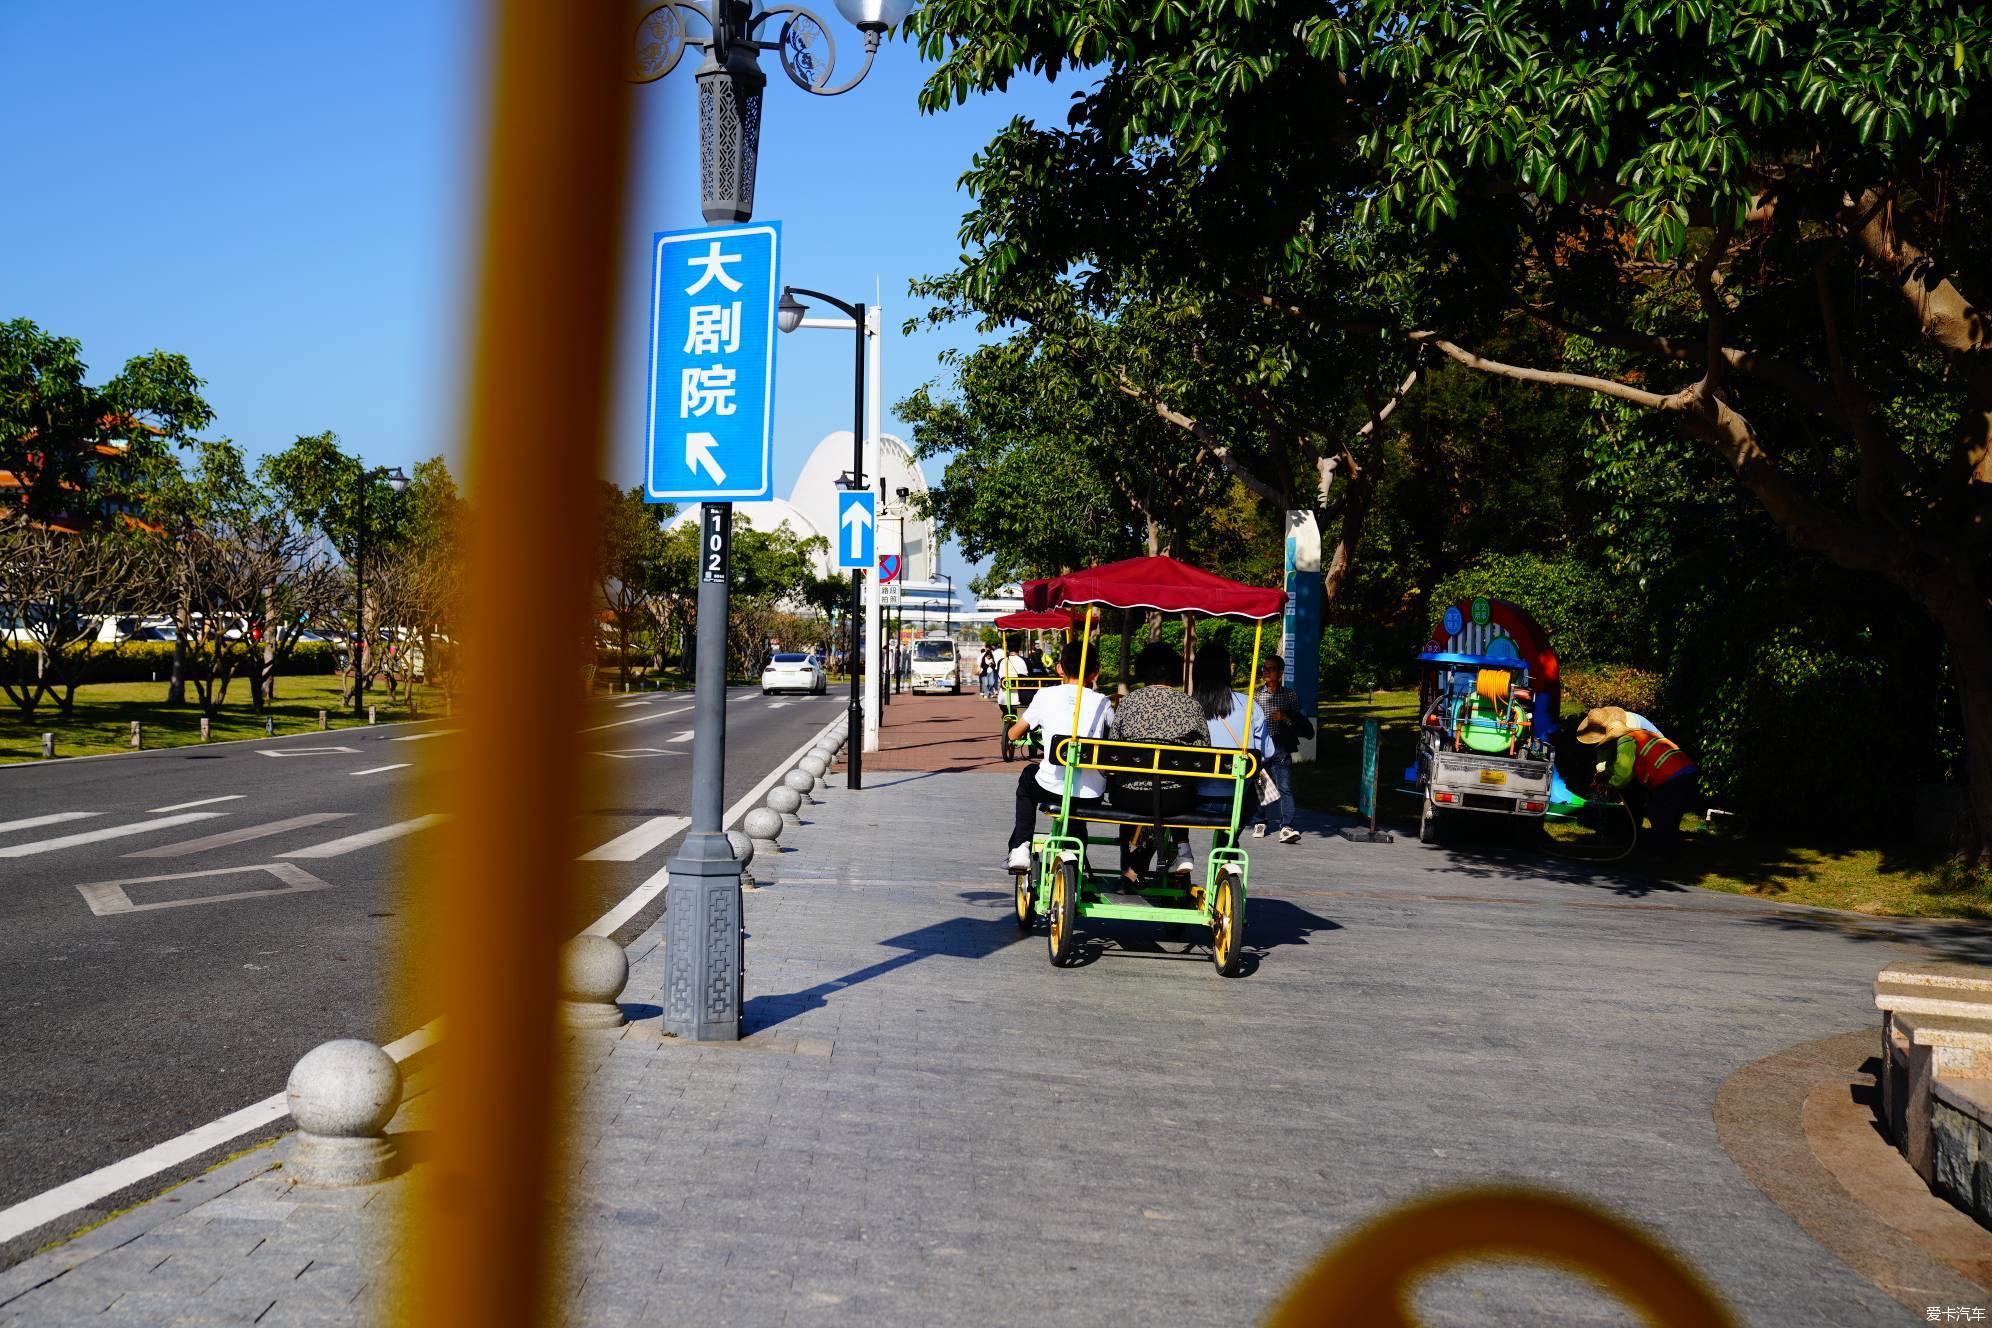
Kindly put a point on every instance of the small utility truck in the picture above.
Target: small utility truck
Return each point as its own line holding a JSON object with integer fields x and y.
{"x": 1487, "y": 706}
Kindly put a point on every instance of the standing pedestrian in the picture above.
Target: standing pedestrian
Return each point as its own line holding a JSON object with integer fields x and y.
{"x": 1286, "y": 726}
{"x": 985, "y": 672}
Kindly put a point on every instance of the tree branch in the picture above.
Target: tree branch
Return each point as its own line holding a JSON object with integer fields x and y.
{"x": 1211, "y": 447}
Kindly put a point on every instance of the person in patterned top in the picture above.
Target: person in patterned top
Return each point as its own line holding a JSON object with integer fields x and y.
{"x": 1155, "y": 711}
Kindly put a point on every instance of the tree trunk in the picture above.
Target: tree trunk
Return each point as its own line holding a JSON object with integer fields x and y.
{"x": 176, "y": 684}
{"x": 265, "y": 690}
{"x": 1960, "y": 611}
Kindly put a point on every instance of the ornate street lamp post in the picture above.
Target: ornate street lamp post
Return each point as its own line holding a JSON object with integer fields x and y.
{"x": 730, "y": 81}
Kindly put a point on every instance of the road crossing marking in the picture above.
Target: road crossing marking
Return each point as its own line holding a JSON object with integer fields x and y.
{"x": 201, "y": 802}
{"x": 626, "y": 705}
{"x": 637, "y": 719}
{"x": 241, "y": 836}
{"x": 631, "y": 753}
{"x": 333, "y": 848}
{"x": 777, "y": 705}
{"x": 432, "y": 733}
{"x": 633, "y": 844}
{"x": 686, "y": 736}
{"x": 379, "y": 769}
{"x": 108, "y": 897}
{"x": 53, "y": 818}
{"x": 312, "y": 751}
{"x": 106, "y": 832}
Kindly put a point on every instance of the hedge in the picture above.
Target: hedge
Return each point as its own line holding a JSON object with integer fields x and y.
{"x": 139, "y": 661}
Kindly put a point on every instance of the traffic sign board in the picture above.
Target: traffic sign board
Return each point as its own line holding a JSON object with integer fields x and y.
{"x": 856, "y": 522}
{"x": 710, "y": 422}
{"x": 888, "y": 592}
{"x": 888, "y": 567}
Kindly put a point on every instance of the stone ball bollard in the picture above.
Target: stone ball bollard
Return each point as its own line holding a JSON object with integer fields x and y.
{"x": 342, "y": 1094}
{"x": 788, "y": 803}
{"x": 764, "y": 828}
{"x": 801, "y": 781}
{"x": 743, "y": 853}
{"x": 593, "y": 972}
{"x": 816, "y": 767}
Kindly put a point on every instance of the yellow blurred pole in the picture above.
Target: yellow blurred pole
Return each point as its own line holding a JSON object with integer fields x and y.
{"x": 1368, "y": 1280}
{"x": 481, "y": 1234}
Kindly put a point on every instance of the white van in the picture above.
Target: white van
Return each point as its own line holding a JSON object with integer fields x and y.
{"x": 935, "y": 668}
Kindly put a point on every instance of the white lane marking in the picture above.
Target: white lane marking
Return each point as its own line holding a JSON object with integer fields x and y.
{"x": 108, "y": 897}
{"x": 202, "y": 802}
{"x": 777, "y": 705}
{"x": 686, "y": 736}
{"x": 241, "y": 836}
{"x": 333, "y": 848}
{"x": 107, "y": 832}
{"x": 381, "y": 769}
{"x": 633, "y": 844}
{"x": 100, "y": 1184}
{"x": 638, "y": 719}
{"x": 628, "y": 705}
{"x": 53, "y": 818}
{"x": 632, "y": 753}
{"x": 633, "y": 903}
{"x": 312, "y": 751}
{"x": 432, "y": 733}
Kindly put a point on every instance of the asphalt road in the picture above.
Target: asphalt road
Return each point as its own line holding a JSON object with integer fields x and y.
{"x": 142, "y": 1002}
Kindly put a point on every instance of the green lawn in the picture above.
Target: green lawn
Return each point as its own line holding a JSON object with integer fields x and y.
{"x": 101, "y": 720}
{"x": 1892, "y": 881}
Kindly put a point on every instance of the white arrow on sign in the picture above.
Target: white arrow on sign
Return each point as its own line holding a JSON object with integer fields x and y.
{"x": 698, "y": 453}
{"x": 856, "y": 518}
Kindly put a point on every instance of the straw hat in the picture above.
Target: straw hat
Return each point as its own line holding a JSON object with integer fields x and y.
{"x": 1602, "y": 725}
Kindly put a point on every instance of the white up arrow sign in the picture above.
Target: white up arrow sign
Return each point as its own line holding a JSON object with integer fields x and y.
{"x": 857, "y": 519}
{"x": 698, "y": 452}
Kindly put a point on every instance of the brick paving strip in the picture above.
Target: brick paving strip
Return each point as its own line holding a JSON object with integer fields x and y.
{"x": 927, "y": 1124}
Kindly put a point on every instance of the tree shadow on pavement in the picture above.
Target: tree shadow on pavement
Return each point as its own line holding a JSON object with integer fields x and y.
{"x": 955, "y": 938}
{"x": 1516, "y": 864}
{"x": 1969, "y": 942}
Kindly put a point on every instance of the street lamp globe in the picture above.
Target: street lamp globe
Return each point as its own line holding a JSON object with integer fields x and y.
{"x": 789, "y": 313}
{"x": 874, "y": 15}
{"x": 397, "y": 481}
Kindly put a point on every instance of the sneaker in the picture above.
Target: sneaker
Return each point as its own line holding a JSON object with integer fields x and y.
{"x": 1289, "y": 836}
{"x": 1020, "y": 858}
{"x": 1184, "y": 864}
{"x": 1259, "y": 831}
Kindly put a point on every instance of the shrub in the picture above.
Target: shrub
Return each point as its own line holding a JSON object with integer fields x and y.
{"x": 1588, "y": 613}
{"x": 1586, "y": 686}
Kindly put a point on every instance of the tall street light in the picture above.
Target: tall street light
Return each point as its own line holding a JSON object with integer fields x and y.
{"x": 702, "y": 898}
{"x": 399, "y": 483}
{"x": 950, "y": 608}
{"x": 730, "y": 81}
{"x": 788, "y": 317}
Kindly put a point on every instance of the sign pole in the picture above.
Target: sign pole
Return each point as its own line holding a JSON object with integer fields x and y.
{"x": 702, "y": 894}
{"x": 854, "y": 716}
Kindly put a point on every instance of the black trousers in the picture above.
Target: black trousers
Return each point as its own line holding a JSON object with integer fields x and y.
{"x": 1030, "y": 796}
{"x": 1666, "y": 805}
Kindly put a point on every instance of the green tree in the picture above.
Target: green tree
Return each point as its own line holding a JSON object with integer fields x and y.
{"x": 629, "y": 572}
{"x": 1754, "y": 222}
{"x": 78, "y": 449}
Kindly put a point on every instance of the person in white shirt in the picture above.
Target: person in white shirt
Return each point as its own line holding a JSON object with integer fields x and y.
{"x": 1042, "y": 784}
{"x": 1224, "y": 718}
{"x": 1012, "y": 664}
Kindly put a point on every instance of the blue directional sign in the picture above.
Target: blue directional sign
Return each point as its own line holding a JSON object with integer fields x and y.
{"x": 857, "y": 518}
{"x": 712, "y": 364}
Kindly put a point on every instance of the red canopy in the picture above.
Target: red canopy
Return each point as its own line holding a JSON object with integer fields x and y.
{"x": 1155, "y": 583}
{"x": 1056, "y": 620}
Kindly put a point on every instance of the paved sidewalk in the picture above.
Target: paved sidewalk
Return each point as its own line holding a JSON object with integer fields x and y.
{"x": 930, "y": 1125}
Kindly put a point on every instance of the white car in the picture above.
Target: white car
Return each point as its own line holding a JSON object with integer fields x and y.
{"x": 934, "y": 665}
{"x": 794, "y": 673}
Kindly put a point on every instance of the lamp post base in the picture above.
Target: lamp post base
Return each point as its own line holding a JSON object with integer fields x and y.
{"x": 705, "y": 957}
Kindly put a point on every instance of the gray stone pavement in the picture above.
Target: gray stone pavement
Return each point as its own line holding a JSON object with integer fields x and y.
{"x": 930, "y": 1125}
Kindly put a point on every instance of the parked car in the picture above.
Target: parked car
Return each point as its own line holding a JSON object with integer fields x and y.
{"x": 794, "y": 672}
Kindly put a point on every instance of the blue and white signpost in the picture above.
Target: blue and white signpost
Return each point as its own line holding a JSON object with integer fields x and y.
{"x": 709, "y": 439}
{"x": 857, "y": 519}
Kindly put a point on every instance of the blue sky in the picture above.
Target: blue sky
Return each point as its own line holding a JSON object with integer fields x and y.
{"x": 287, "y": 196}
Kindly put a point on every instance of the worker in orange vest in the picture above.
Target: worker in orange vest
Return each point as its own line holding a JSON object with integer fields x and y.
{"x": 1641, "y": 761}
